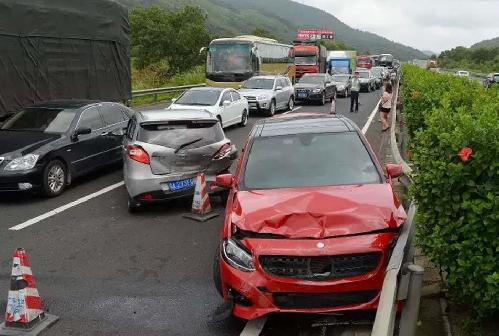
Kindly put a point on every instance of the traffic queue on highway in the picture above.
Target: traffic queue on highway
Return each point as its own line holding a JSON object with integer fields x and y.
{"x": 311, "y": 217}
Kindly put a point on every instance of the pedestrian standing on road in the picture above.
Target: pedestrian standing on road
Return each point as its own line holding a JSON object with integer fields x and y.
{"x": 386, "y": 106}
{"x": 355, "y": 89}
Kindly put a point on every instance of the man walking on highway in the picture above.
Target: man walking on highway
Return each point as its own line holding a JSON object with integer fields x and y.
{"x": 355, "y": 89}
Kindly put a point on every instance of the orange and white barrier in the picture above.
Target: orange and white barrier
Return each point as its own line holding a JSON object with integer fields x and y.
{"x": 201, "y": 207}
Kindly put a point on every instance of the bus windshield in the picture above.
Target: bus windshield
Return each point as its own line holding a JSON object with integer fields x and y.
{"x": 229, "y": 57}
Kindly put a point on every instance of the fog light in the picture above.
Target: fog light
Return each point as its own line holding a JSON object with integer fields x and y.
{"x": 25, "y": 186}
{"x": 264, "y": 105}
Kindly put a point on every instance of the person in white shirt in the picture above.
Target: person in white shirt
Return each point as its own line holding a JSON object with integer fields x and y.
{"x": 386, "y": 106}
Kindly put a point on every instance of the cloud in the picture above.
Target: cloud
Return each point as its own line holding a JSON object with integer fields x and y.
{"x": 424, "y": 24}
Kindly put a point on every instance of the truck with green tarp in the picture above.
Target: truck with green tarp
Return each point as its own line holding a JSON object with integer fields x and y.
{"x": 63, "y": 49}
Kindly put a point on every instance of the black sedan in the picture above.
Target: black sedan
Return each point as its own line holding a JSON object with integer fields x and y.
{"x": 315, "y": 87}
{"x": 44, "y": 147}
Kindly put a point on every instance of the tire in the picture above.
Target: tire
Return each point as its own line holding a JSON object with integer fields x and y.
{"x": 244, "y": 119}
{"x": 133, "y": 206}
{"x": 217, "y": 280}
{"x": 323, "y": 99}
{"x": 54, "y": 178}
{"x": 271, "y": 111}
{"x": 291, "y": 103}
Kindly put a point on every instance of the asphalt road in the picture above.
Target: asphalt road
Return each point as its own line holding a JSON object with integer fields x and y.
{"x": 106, "y": 272}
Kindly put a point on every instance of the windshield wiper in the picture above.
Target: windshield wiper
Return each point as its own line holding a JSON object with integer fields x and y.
{"x": 187, "y": 144}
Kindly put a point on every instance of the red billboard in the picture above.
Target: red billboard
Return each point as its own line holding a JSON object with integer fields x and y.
{"x": 314, "y": 34}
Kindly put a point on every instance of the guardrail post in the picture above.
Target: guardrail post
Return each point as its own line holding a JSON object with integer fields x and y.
{"x": 410, "y": 314}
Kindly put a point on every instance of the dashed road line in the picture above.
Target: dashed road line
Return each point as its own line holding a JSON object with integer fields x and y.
{"x": 370, "y": 119}
{"x": 293, "y": 110}
{"x": 254, "y": 327}
{"x": 65, "y": 207}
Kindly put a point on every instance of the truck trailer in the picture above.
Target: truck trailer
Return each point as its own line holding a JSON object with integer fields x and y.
{"x": 63, "y": 49}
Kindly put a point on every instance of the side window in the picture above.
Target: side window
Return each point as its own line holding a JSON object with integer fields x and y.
{"x": 282, "y": 83}
{"x": 112, "y": 114}
{"x": 225, "y": 96}
{"x": 91, "y": 118}
{"x": 235, "y": 96}
{"x": 130, "y": 131}
{"x": 288, "y": 82}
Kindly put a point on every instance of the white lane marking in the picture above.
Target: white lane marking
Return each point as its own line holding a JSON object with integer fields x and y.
{"x": 254, "y": 327}
{"x": 295, "y": 109}
{"x": 370, "y": 120}
{"x": 65, "y": 207}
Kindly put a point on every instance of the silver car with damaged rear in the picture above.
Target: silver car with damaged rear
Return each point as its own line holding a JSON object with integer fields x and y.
{"x": 165, "y": 150}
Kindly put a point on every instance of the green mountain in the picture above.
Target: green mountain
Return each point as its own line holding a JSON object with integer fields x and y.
{"x": 486, "y": 44}
{"x": 282, "y": 18}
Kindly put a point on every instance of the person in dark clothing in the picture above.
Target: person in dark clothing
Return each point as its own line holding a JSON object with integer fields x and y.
{"x": 354, "y": 97}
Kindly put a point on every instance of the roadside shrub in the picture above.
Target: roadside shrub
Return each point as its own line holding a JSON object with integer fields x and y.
{"x": 455, "y": 148}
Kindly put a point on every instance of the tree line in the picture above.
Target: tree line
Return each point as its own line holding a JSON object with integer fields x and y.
{"x": 479, "y": 59}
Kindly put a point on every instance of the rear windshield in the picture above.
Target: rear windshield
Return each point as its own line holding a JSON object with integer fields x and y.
{"x": 181, "y": 134}
{"x": 363, "y": 74}
{"x": 308, "y": 160}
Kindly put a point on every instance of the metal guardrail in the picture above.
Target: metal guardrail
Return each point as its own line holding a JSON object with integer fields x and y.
{"x": 155, "y": 92}
{"x": 400, "y": 265}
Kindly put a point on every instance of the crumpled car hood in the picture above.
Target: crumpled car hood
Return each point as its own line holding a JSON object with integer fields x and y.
{"x": 318, "y": 212}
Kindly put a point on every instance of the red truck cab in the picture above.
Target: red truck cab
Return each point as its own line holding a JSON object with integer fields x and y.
{"x": 309, "y": 58}
{"x": 364, "y": 61}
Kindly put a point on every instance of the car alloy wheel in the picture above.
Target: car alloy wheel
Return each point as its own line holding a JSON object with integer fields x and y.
{"x": 271, "y": 110}
{"x": 54, "y": 179}
{"x": 244, "y": 119}
{"x": 291, "y": 104}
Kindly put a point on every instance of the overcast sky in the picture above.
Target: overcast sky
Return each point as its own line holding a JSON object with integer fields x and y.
{"x": 424, "y": 24}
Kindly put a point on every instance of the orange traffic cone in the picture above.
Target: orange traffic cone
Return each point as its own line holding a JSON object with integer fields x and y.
{"x": 25, "y": 314}
{"x": 201, "y": 208}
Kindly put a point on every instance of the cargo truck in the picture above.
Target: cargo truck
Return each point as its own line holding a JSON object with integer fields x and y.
{"x": 310, "y": 57}
{"x": 60, "y": 49}
{"x": 364, "y": 61}
{"x": 342, "y": 61}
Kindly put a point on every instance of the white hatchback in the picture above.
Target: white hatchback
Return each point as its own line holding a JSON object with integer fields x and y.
{"x": 226, "y": 104}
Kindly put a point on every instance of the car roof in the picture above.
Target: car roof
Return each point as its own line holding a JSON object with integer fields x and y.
{"x": 175, "y": 115}
{"x": 314, "y": 74}
{"x": 303, "y": 123}
{"x": 65, "y": 103}
{"x": 209, "y": 88}
{"x": 267, "y": 77}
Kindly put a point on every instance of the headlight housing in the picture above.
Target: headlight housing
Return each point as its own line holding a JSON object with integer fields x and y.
{"x": 236, "y": 255}
{"x": 317, "y": 91}
{"x": 263, "y": 97}
{"x": 22, "y": 163}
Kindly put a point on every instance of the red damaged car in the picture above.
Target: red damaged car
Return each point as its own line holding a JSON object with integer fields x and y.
{"x": 310, "y": 222}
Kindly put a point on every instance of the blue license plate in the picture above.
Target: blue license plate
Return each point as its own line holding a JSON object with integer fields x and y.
{"x": 180, "y": 185}
{"x": 302, "y": 95}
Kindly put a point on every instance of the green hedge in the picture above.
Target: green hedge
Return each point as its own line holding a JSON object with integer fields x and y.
{"x": 457, "y": 197}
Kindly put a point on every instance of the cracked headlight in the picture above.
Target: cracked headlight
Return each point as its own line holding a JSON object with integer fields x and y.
{"x": 238, "y": 256}
{"x": 22, "y": 163}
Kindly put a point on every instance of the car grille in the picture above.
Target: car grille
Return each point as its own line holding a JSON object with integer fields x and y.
{"x": 322, "y": 300}
{"x": 320, "y": 268}
{"x": 250, "y": 98}
{"x": 303, "y": 91}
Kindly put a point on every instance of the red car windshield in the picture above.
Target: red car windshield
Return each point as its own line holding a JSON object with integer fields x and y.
{"x": 309, "y": 160}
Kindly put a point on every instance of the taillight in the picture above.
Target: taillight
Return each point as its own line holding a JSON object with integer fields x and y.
{"x": 138, "y": 154}
{"x": 223, "y": 152}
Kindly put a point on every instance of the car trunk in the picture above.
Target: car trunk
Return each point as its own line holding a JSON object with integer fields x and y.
{"x": 182, "y": 146}
{"x": 166, "y": 161}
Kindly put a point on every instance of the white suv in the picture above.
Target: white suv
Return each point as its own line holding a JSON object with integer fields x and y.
{"x": 268, "y": 94}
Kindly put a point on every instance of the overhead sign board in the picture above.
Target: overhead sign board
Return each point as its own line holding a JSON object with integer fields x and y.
{"x": 315, "y": 34}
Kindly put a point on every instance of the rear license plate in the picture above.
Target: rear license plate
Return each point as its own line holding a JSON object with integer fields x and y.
{"x": 302, "y": 95}
{"x": 180, "y": 185}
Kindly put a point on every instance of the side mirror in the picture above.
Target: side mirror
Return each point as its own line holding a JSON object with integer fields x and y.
{"x": 394, "y": 170}
{"x": 80, "y": 131}
{"x": 279, "y": 88}
{"x": 226, "y": 103}
{"x": 224, "y": 181}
